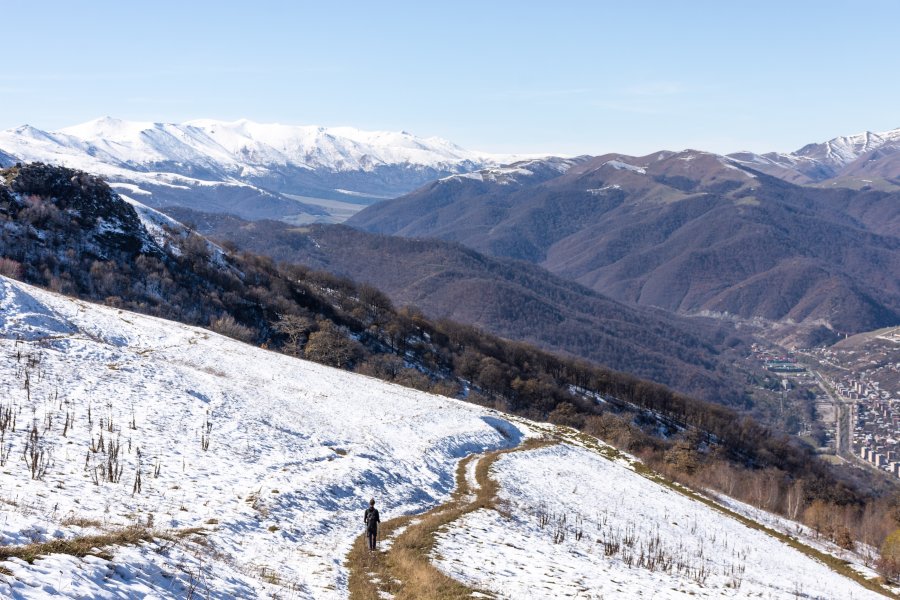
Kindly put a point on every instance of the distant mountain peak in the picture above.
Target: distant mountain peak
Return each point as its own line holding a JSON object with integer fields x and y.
{"x": 834, "y": 158}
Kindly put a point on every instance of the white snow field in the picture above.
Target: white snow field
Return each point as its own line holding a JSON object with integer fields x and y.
{"x": 630, "y": 528}
{"x": 295, "y": 450}
{"x": 255, "y": 468}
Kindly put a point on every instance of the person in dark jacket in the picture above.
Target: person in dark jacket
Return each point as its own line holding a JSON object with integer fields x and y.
{"x": 371, "y": 519}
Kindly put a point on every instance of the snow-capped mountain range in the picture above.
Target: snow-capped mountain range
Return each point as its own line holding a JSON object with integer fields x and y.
{"x": 254, "y": 170}
{"x": 302, "y": 174}
{"x": 865, "y": 154}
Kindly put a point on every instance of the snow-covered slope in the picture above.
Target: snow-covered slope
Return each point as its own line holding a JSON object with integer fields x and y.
{"x": 252, "y": 469}
{"x": 273, "y": 457}
{"x": 523, "y": 172}
{"x": 584, "y": 526}
{"x": 256, "y": 146}
{"x": 183, "y": 163}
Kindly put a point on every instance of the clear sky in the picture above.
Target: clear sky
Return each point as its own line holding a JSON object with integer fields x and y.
{"x": 566, "y": 77}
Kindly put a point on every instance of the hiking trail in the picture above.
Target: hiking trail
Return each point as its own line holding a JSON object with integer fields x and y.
{"x": 401, "y": 568}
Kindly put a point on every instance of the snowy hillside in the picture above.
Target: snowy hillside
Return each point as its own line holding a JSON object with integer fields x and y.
{"x": 248, "y": 145}
{"x": 270, "y": 456}
{"x": 238, "y": 472}
{"x": 261, "y": 170}
{"x": 586, "y": 526}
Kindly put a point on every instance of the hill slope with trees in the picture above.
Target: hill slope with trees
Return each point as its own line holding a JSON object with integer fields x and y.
{"x": 689, "y": 232}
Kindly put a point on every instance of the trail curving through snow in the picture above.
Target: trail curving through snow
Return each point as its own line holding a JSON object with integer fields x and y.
{"x": 401, "y": 567}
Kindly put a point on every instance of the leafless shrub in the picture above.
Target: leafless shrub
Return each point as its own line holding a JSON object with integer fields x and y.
{"x": 36, "y": 455}
{"x": 136, "y": 488}
{"x": 735, "y": 575}
{"x": 5, "y": 449}
{"x": 10, "y": 268}
{"x": 205, "y": 433}
{"x": 7, "y": 418}
{"x": 227, "y": 326}
{"x": 70, "y": 421}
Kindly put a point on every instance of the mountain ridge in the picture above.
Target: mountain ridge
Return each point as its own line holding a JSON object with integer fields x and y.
{"x": 268, "y": 169}
{"x": 832, "y": 161}
{"x": 689, "y": 231}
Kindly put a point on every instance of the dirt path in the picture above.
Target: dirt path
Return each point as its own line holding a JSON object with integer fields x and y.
{"x": 405, "y": 570}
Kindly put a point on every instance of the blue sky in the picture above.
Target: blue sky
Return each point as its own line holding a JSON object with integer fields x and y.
{"x": 566, "y": 77}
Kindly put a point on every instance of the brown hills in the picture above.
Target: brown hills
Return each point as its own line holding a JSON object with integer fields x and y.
{"x": 690, "y": 232}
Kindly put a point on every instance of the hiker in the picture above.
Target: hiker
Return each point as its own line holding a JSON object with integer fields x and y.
{"x": 371, "y": 519}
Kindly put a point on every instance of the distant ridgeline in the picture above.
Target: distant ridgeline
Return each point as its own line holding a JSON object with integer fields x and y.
{"x": 690, "y": 232}
{"x": 67, "y": 231}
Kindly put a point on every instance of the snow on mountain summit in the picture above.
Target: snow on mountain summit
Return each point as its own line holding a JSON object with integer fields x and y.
{"x": 245, "y": 141}
{"x": 845, "y": 149}
{"x": 817, "y": 162}
{"x": 254, "y": 170}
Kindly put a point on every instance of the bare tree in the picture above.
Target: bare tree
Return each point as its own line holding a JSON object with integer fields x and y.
{"x": 297, "y": 329}
{"x": 330, "y": 346}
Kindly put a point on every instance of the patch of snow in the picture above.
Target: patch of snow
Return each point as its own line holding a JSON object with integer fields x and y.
{"x": 728, "y": 164}
{"x": 624, "y": 166}
{"x": 128, "y": 188}
{"x": 605, "y": 188}
{"x": 361, "y": 194}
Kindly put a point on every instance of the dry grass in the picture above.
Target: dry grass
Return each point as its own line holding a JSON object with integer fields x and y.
{"x": 406, "y": 571}
{"x": 81, "y": 522}
{"x": 80, "y": 546}
{"x": 94, "y": 545}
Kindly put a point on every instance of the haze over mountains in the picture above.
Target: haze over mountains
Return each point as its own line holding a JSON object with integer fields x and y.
{"x": 299, "y": 173}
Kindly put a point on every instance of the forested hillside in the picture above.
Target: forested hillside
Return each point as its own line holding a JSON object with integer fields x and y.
{"x": 510, "y": 298}
{"x": 690, "y": 232}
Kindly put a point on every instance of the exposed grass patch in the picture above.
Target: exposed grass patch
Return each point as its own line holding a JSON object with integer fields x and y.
{"x": 80, "y": 546}
{"x": 182, "y": 533}
{"x": 80, "y": 522}
{"x": 406, "y": 571}
{"x": 96, "y": 545}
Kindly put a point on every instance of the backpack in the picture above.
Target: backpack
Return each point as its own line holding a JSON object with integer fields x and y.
{"x": 372, "y": 518}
